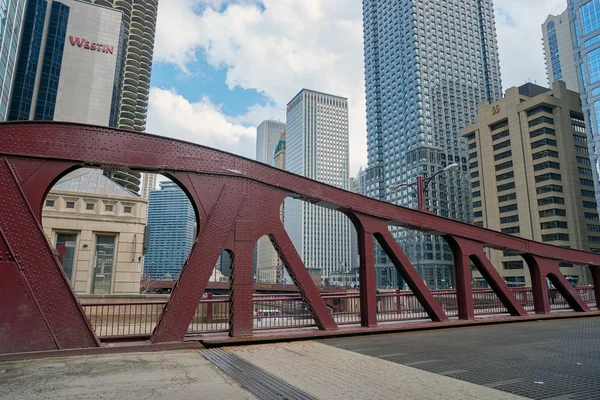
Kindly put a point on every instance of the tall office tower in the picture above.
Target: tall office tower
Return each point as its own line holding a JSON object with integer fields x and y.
{"x": 317, "y": 148}
{"x": 584, "y": 17}
{"x": 268, "y": 135}
{"x": 269, "y": 266}
{"x": 558, "y": 50}
{"x": 427, "y": 65}
{"x": 148, "y": 184}
{"x": 172, "y": 221}
{"x": 139, "y": 28}
{"x": 11, "y": 18}
{"x": 532, "y": 177}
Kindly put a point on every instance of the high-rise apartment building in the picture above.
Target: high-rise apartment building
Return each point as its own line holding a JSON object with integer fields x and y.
{"x": 11, "y": 18}
{"x": 558, "y": 50}
{"x": 531, "y": 175}
{"x": 268, "y": 135}
{"x": 427, "y": 65}
{"x": 148, "y": 184}
{"x": 172, "y": 223}
{"x": 317, "y": 148}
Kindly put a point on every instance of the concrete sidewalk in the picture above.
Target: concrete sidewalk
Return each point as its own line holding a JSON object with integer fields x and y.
{"x": 321, "y": 371}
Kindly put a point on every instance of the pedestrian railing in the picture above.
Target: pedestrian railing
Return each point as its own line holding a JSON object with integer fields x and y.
{"x": 131, "y": 320}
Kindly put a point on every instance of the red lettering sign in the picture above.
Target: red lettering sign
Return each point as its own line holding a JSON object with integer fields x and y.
{"x": 81, "y": 42}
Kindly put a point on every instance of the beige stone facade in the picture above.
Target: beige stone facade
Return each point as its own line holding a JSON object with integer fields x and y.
{"x": 103, "y": 233}
{"x": 531, "y": 175}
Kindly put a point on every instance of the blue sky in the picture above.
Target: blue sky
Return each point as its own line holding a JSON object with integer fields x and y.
{"x": 221, "y": 67}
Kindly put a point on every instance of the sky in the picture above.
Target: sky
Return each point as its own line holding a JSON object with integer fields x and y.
{"x": 222, "y": 67}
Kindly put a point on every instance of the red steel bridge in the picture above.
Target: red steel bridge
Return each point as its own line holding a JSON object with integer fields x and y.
{"x": 237, "y": 201}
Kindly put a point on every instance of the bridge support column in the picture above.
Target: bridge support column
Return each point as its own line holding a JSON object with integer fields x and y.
{"x": 596, "y": 282}
{"x": 368, "y": 298}
{"x": 241, "y": 320}
{"x": 462, "y": 268}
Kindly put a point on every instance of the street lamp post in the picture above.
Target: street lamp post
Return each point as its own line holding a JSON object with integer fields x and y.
{"x": 421, "y": 185}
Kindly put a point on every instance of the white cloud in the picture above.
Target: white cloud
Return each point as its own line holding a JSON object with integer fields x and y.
{"x": 519, "y": 27}
{"x": 203, "y": 122}
{"x": 278, "y": 47}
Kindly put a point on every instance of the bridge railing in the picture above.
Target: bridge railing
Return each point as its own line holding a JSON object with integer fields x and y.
{"x": 114, "y": 321}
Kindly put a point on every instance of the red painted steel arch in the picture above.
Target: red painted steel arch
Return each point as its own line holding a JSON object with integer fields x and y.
{"x": 238, "y": 201}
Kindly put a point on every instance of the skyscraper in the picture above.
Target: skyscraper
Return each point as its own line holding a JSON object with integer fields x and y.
{"x": 558, "y": 50}
{"x": 584, "y": 17}
{"x": 172, "y": 221}
{"x": 428, "y": 63}
{"x": 11, "y": 18}
{"x": 139, "y": 28}
{"x": 268, "y": 135}
{"x": 317, "y": 148}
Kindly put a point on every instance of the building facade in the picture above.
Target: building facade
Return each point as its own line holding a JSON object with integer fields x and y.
{"x": 139, "y": 29}
{"x": 268, "y": 135}
{"x": 558, "y": 51}
{"x": 584, "y": 17}
{"x": 11, "y": 19}
{"x": 172, "y": 223}
{"x": 317, "y": 148}
{"x": 269, "y": 268}
{"x": 531, "y": 175}
{"x": 427, "y": 65}
{"x": 101, "y": 224}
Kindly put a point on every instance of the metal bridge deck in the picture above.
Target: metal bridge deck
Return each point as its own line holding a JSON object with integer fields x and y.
{"x": 549, "y": 359}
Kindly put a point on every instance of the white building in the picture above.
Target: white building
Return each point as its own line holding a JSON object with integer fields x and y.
{"x": 268, "y": 134}
{"x": 558, "y": 51}
{"x": 317, "y": 148}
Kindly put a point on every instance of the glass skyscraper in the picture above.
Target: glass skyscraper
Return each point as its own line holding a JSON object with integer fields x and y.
{"x": 428, "y": 63}
{"x": 172, "y": 223}
{"x": 584, "y": 18}
{"x": 11, "y": 18}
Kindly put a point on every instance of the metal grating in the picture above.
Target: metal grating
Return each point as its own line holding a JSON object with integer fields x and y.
{"x": 540, "y": 360}
{"x": 261, "y": 383}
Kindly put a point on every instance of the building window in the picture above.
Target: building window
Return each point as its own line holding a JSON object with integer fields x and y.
{"x": 580, "y": 149}
{"x": 555, "y": 236}
{"x": 503, "y": 155}
{"x": 69, "y": 240}
{"x": 505, "y": 176}
{"x": 580, "y": 139}
{"x": 549, "y": 188}
{"x": 554, "y": 225}
{"x": 554, "y": 212}
{"x": 541, "y": 120}
{"x": 104, "y": 264}
{"x": 475, "y": 184}
{"x": 512, "y": 230}
{"x": 594, "y": 239}
{"x": 542, "y": 131}
{"x": 70, "y": 204}
{"x": 583, "y": 160}
{"x": 548, "y": 176}
{"x": 476, "y": 204}
{"x": 551, "y": 200}
{"x": 590, "y": 204}
{"x": 502, "y": 145}
{"x": 475, "y": 174}
{"x": 507, "y": 197}
{"x": 476, "y": 194}
{"x": 472, "y": 155}
{"x": 512, "y": 218}
{"x": 49, "y": 203}
{"x": 499, "y": 125}
{"x": 470, "y": 136}
{"x": 543, "y": 142}
{"x": 500, "y": 135}
{"x": 539, "y": 109}
{"x": 504, "y": 165}
{"x": 89, "y": 206}
{"x": 546, "y": 165}
{"x": 512, "y": 207}
{"x": 586, "y": 182}
{"x": 108, "y": 207}
{"x": 593, "y": 228}
{"x": 591, "y": 216}
{"x": 127, "y": 209}
{"x": 545, "y": 153}
{"x": 584, "y": 171}
{"x": 474, "y": 164}
{"x": 513, "y": 264}
{"x": 506, "y": 186}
